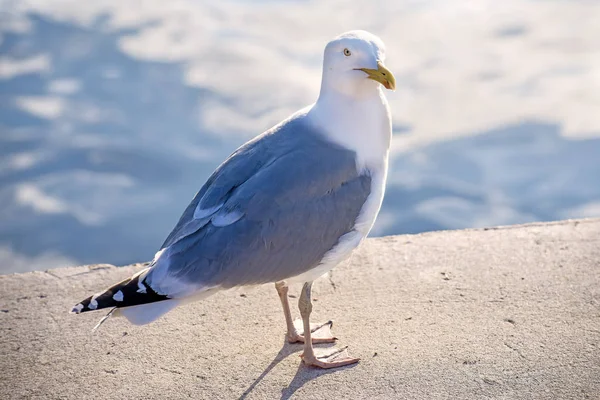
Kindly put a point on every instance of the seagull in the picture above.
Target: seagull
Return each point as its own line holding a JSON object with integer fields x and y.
{"x": 286, "y": 207}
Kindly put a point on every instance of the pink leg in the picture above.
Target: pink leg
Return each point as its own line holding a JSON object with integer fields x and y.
{"x": 322, "y": 331}
{"x": 332, "y": 360}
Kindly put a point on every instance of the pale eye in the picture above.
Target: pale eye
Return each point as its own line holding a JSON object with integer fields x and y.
{"x": 347, "y": 52}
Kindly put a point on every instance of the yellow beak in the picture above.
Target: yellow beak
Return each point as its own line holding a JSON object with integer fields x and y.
{"x": 381, "y": 75}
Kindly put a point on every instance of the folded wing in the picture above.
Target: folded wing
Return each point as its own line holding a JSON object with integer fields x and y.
{"x": 270, "y": 212}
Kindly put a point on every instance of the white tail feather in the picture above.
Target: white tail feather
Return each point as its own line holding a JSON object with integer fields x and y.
{"x": 145, "y": 313}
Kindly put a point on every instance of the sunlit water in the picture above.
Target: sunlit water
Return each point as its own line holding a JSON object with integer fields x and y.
{"x": 113, "y": 114}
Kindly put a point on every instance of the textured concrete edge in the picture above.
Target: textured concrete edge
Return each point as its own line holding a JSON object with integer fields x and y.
{"x": 506, "y": 312}
{"x": 100, "y": 266}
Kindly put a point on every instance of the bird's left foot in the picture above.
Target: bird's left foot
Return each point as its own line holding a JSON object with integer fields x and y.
{"x": 338, "y": 358}
{"x": 320, "y": 333}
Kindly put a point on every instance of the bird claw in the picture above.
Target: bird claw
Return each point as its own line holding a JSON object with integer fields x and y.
{"x": 320, "y": 333}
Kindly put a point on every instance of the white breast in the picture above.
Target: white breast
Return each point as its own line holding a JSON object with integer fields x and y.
{"x": 361, "y": 125}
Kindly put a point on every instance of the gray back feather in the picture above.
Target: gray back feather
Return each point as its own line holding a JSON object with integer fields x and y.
{"x": 293, "y": 195}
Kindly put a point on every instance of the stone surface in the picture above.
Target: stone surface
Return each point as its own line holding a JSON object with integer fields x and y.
{"x": 511, "y": 312}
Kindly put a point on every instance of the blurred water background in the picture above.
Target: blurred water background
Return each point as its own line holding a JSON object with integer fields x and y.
{"x": 113, "y": 113}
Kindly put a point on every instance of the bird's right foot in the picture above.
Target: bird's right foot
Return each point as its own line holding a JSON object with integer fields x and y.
{"x": 338, "y": 358}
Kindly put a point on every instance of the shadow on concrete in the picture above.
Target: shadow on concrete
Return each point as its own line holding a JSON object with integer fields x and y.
{"x": 303, "y": 375}
{"x": 285, "y": 351}
{"x": 306, "y": 374}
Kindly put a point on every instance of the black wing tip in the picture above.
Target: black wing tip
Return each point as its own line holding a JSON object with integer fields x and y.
{"x": 130, "y": 292}
{"x": 78, "y": 309}
{"x": 89, "y": 304}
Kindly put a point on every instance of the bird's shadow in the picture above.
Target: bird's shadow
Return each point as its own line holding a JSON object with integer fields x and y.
{"x": 303, "y": 374}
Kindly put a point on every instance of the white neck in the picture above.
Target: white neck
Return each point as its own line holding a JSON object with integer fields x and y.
{"x": 362, "y": 124}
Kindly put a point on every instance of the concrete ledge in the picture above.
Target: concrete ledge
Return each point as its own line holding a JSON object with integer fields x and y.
{"x": 509, "y": 313}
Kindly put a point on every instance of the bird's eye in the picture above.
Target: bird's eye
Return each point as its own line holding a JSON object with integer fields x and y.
{"x": 347, "y": 52}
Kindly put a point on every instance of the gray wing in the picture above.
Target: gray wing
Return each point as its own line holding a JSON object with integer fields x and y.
{"x": 233, "y": 172}
{"x": 272, "y": 211}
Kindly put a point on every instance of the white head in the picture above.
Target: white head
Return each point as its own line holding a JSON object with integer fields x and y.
{"x": 353, "y": 65}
